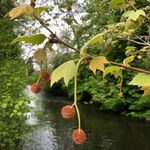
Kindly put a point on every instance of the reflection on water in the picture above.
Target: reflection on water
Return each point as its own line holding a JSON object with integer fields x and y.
{"x": 104, "y": 131}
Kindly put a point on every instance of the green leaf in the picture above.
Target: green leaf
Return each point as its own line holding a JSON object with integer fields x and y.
{"x": 97, "y": 63}
{"x": 134, "y": 15}
{"x": 33, "y": 39}
{"x": 111, "y": 69}
{"x": 128, "y": 60}
{"x": 39, "y": 10}
{"x": 67, "y": 71}
{"x": 114, "y": 3}
{"x": 140, "y": 79}
{"x": 4, "y": 105}
{"x": 96, "y": 39}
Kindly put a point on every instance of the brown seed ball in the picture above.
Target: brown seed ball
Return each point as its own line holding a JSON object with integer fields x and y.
{"x": 68, "y": 112}
{"x": 45, "y": 75}
{"x": 78, "y": 136}
{"x": 35, "y": 88}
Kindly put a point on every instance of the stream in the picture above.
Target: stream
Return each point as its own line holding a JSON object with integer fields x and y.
{"x": 105, "y": 131}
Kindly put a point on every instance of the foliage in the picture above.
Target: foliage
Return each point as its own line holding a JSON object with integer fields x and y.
{"x": 20, "y": 10}
{"x": 34, "y": 39}
{"x": 13, "y": 100}
{"x": 118, "y": 38}
{"x": 142, "y": 104}
{"x": 121, "y": 40}
{"x": 97, "y": 63}
{"x": 66, "y": 71}
{"x": 13, "y": 104}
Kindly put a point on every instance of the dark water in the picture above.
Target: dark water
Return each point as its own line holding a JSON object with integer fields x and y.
{"x": 105, "y": 131}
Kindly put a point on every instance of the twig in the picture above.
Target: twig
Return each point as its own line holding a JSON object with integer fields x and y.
{"x": 140, "y": 43}
{"x": 43, "y": 24}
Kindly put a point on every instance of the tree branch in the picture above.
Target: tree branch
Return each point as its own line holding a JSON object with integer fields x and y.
{"x": 88, "y": 56}
{"x": 140, "y": 43}
{"x": 129, "y": 67}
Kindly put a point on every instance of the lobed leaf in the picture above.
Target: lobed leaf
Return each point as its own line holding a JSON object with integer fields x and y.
{"x": 97, "y": 63}
{"x": 20, "y": 10}
{"x": 140, "y": 79}
{"x": 134, "y": 15}
{"x": 33, "y": 39}
{"x": 67, "y": 71}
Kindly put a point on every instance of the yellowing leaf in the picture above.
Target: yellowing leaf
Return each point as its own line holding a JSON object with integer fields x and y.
{"x": 140, "y": 79}
{"x": 146, "y": 89}
{"x": 20, "y": 10}
{"x": 34, "y": 39}
{"x": 40, "y": 55}
{"x": 67, "y": 71}
{"x": 97, "y": 63}
{"x": 128, "y": 60}
{"x": 134, "y": 15}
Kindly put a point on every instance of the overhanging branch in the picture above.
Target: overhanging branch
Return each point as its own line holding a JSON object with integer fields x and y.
{"x": 77, "y": 50}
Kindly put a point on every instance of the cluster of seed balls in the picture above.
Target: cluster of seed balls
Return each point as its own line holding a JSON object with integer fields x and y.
{"x": 36, "y": 87}
{"x": 67, "y": 112}
{"x": 78, "y": 135}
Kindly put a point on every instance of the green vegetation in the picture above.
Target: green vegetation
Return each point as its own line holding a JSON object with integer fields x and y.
{"x": 13, "y": 101}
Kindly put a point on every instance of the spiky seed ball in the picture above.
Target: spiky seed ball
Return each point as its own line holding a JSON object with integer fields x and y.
{"x": 78, "y": 136}
{"x": 45, "y": 75}
{"x": 35, "y": 88}
{"x": 68, "y": 112}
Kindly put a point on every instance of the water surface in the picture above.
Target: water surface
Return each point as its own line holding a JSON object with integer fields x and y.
{"x": 105, "y": 131}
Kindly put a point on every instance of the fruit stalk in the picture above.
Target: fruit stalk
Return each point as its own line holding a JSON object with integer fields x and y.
{"x": 75, "y": 94}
